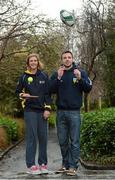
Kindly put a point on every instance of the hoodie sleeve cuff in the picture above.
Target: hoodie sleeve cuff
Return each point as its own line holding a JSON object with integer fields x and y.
{"x": 47, "y": 107}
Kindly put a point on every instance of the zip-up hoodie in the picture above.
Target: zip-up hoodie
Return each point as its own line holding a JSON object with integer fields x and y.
{"x": 36, "y": 85}
{"x": 69, "y": 90}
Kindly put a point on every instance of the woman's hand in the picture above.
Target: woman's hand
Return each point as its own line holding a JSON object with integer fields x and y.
{"x": 46, "y": 114}
{"x": 24, "y": 95}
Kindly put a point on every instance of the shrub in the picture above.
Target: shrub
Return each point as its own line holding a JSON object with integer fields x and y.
{"x": 11, "y": 128}
{"x": 21, "y": 129}
{"x": 98, "y": 135}
{"x": 3, "y": 138}
{"x": 52, "y": 119}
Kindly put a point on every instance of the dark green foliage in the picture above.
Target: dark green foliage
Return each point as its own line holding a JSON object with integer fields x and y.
{"x": 110, "y": 72}
{"x": 10, "y": 70}
{"x": 98, "y": 135}
{"x": 110, "y": 54}
{"x": 52, "y": 119}
{"x": 110, "y": 67}
{"x": 11, "y": 128}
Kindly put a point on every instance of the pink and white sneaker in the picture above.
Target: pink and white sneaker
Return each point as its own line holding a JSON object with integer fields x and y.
{"x": 44, "y": 169}
{"x": 34, "y": 170}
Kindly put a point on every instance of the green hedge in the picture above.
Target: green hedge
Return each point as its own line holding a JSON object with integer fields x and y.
{"x": 11, "y": 128}
{"x": 52, "y": 119}
{"x": 98, "y": 136}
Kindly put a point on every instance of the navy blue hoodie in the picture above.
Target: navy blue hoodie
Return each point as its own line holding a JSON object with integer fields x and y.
{"x": 69, "y": 90}
{"x": 36, "y": 85}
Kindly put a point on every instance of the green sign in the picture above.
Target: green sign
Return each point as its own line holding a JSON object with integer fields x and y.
{"x": 67, "y": 18}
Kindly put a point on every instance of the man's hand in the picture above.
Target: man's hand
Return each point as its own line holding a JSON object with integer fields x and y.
{"x": 77, "y": 73}
{"x": 46, "y": 114}
{"x": 61, "y": 72}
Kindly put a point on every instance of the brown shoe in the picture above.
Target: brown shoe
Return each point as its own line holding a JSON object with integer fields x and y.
{"x": 72, "y": 172}
{"x": 61, "y": 170}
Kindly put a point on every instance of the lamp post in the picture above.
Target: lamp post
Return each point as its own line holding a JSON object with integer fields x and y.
{"x": 68, "y": 18}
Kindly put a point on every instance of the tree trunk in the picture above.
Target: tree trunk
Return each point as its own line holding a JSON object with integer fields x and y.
{"x": 86, "y": 102}
{"x": 99, "y": 103}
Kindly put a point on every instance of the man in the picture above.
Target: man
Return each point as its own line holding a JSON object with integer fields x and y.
{"x": 69, "y": 83}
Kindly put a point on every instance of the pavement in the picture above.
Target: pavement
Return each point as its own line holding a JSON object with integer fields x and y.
{"x": 12, "y": 165}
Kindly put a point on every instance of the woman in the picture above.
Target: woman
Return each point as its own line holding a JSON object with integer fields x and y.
{"x": 32, "y": 88}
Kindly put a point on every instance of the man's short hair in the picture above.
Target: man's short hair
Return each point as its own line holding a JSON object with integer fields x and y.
{"x": 66, "y": 52}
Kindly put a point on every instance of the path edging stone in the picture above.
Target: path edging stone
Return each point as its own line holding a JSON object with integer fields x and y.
{"x": 96, "y": 167}
{"x": 9, "y": 148}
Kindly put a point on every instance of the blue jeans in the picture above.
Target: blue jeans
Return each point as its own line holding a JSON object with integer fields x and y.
{"x": 36, "y": 131}
{"x": 68, "y": 131}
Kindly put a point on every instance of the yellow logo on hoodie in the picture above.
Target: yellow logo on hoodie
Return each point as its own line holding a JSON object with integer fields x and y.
{"x": 74, "y": 80}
